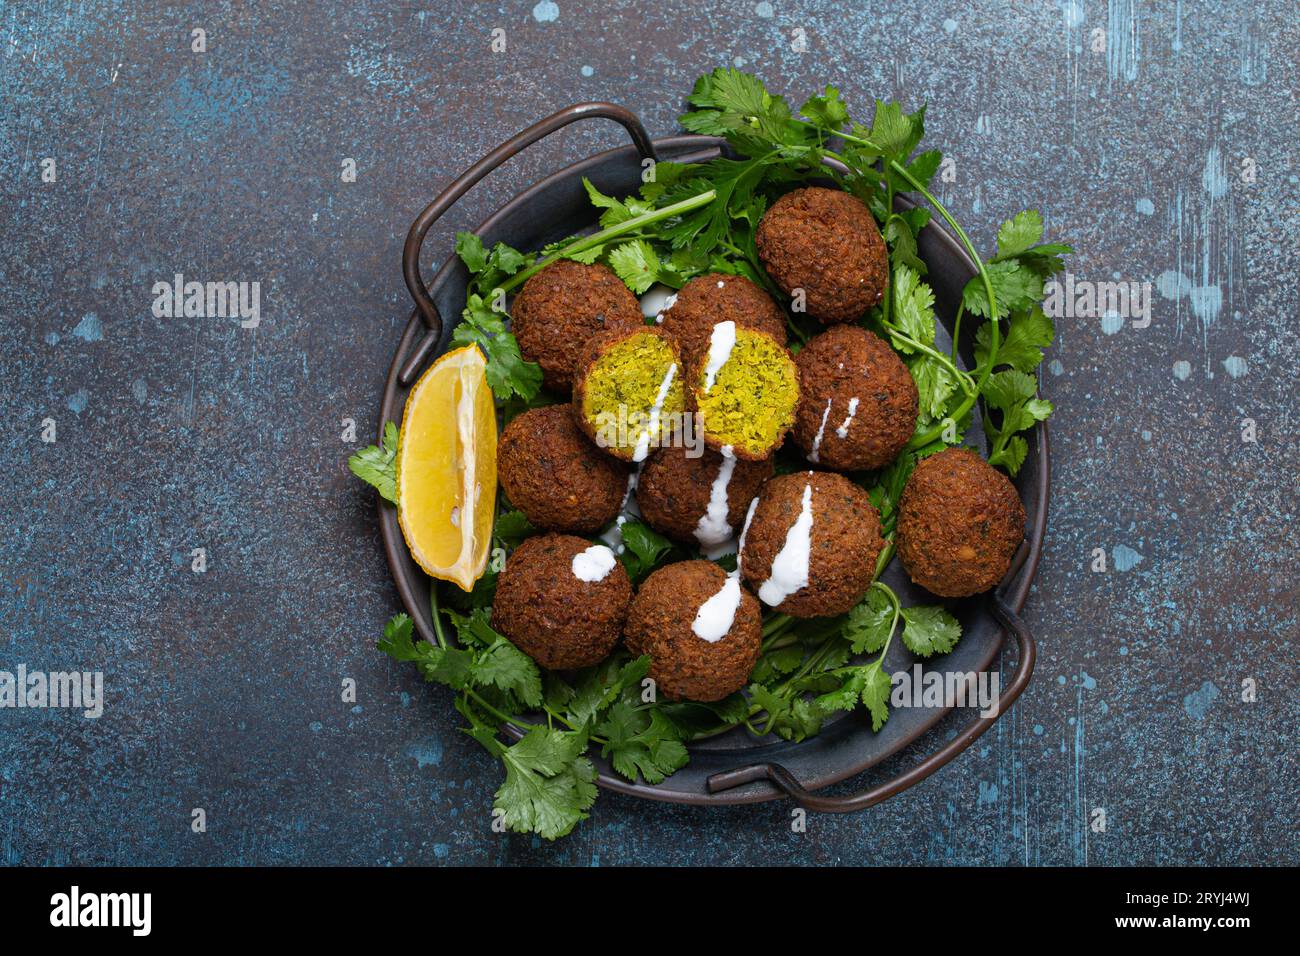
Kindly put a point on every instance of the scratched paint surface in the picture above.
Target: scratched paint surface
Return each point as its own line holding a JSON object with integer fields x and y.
{"x": 223, "y": 688}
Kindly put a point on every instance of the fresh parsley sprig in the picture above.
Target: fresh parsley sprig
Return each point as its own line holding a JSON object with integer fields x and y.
{"x": 376, "y": 465}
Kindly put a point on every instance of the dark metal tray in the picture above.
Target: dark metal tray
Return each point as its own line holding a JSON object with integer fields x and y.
{"x": 735, "y": 767}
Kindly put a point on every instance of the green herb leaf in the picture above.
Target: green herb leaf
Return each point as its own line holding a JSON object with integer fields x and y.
{"x": 641, "y": 741}
{"x": 929, "y": 630}
{"x": 868, "y": 625}
{"x": 913, "y": 308}
{"x": 549, "y": 785}
{"x": 1022, "y": 347}
{"x": 636, "y": 264}
{"x": 509, "y": 669}
{"x": 1019, "y": 233}
{"x": 377, "y": 466}
{"x": 1014, "y": 287}
{"x": 643, "y": 549}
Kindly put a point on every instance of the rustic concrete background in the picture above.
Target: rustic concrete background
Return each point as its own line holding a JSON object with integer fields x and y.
{"x": 223, "y": 688}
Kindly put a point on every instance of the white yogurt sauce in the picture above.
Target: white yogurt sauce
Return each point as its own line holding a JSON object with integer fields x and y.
{"x": 643, "y": 443}
{"x": 718, "y": 613}
{"x": 713, "y": 528}
{"x": 821, "y": 433}
{"x": 843, "y": 430}
{"x": 790, "y": 566}
{"x": 721, "y": 342}
{"x": 740, "y": 546}
{"x": 657, "y": 300}
{"x": 594, "y": 564}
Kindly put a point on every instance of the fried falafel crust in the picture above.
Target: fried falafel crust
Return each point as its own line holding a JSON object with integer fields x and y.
{"x": 826, "y": 242}
{"x": 553, "y": 473}
{"x": 843, "y": 363}
{"x": 660, "y": 623}
{"x": 845, "y": 541}
{"x": 709, "y": 299}
{"x": 960, "y": 521}
{"x": 551, "y": 615}
{"x": 561, "y": 307}
{"x": 674, "y": 489}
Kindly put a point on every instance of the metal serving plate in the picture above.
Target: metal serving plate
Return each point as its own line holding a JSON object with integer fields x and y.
{"x": 735, "y": 767}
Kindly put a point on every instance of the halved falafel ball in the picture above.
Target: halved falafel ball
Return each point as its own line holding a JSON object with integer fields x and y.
{"x": 701, "y": 500}
{"x": 960, "y": 522}
{"x": 561, "y": 307}
{"x": 709, "y": 299}
{"x": 702, "y": 630}
{"x": 628, "y": 393}
{"x": 857, "y": 400}
{"x": 811, "y": 544}
{"x": 562, "y": 601}
{"x": 553, "y": 473}
{"x": 825, "y": 242}
{"x": 744, "y": 389}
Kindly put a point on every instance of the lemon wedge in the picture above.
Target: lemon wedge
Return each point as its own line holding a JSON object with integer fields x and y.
{"x": 447, "y": 468}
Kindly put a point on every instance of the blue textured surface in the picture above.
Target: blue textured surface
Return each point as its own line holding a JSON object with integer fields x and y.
{"x": 224, "y": 688}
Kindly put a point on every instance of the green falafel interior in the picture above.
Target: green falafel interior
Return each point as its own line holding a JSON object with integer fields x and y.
{"x": 684, "y": 222}
{"x": 747, "y": 403}
{"x": 632, "y": 395}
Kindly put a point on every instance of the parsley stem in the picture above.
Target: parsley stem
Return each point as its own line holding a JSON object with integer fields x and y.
{"x": 611, "y": 232}
{"x": 963, "y": 378}
{"x": 985, "y": 368}
{"x": 776, "y": 624}
{"x": 436, "y": 612}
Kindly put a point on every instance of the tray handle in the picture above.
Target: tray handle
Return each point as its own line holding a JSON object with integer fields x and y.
{"x": 785, "y": 781}
{"x": 424, "y": 304}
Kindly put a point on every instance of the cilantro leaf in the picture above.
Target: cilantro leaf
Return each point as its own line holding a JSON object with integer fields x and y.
{"x": 929, "y": 630}
{"x": 470, "y": 249}
{"x": 643, "y": 548}
{"x": 935, "y": 385}
{"x": 896, "y": 132}
{"x": 1006, "y": 388}
{"x": 450, "y": 666}
{"x": 641, "y": 741}
{"x": 507, "y": 372}
{"x": 868, "y": 684}
{"x": 512, "y": 527}
{"x": 868, "y": 625}
{"x": 1011, "y": 456}
{"x": 1014, "y": 287}
{"x": 509, "y": 669}
{"x": 826, "y": 110}
{"x": 377, "y": 466}
{"x": 923, "y": 167}
{"x": 1019, "y": 233}
{"x": 549, "y": 785}
{"x": 1022, "y": 346}
{"x": 636, "y": 263}
{"x": 913, "y": 308}
{"x": 876, "y": 685}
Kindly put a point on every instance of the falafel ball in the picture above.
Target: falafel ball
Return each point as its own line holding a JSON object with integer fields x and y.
{"x": 857, "y": 400}
{"x": 811, "y": 544}
{"x": 562, "y": 601}
{"x": 960, "y": 522}
{"x": 745, "y": 389}
{"x": 628, "y": 392}
{"x": 561, "y": 307}
{"x": 553, "y": 473}
{"x": 709, "y": 299}
{"x": 825, "y": 241}
{"x": 700, "y": 500}
{"x": 702, "y": 630}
